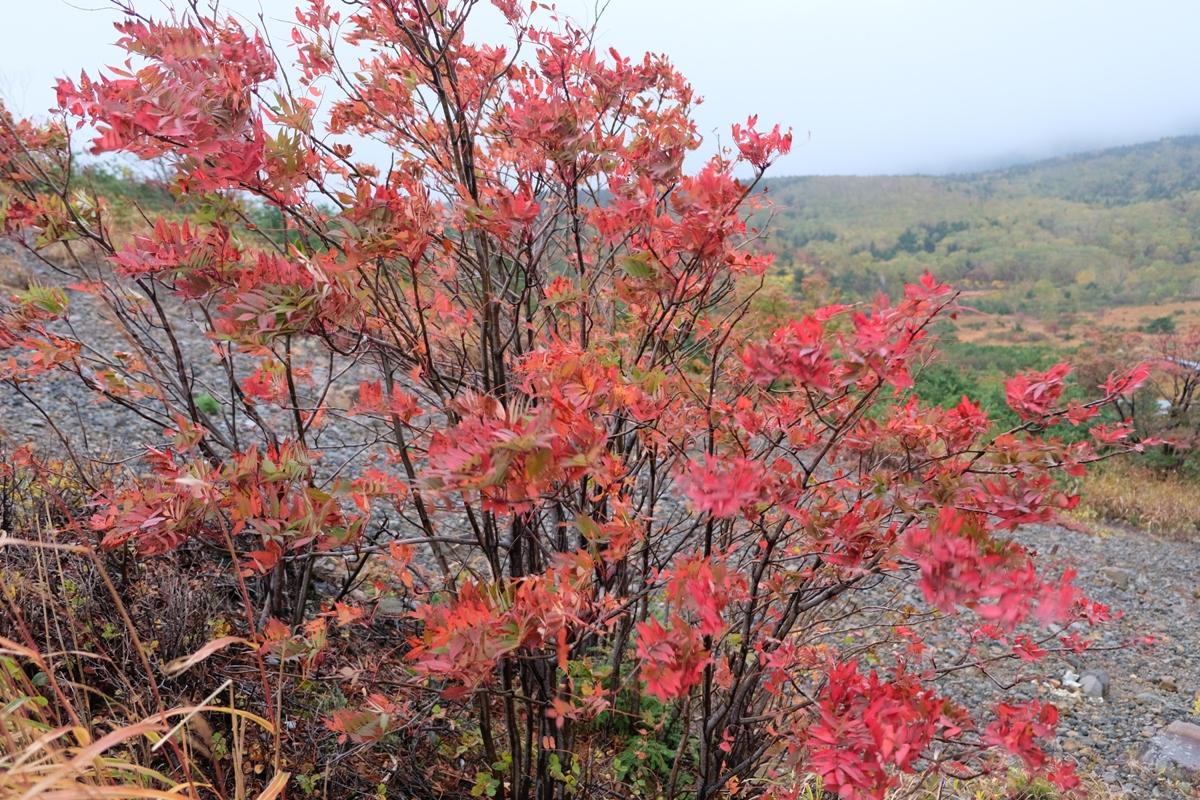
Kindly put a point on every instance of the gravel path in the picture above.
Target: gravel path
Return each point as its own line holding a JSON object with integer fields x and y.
{"x": 1154, "y": 586}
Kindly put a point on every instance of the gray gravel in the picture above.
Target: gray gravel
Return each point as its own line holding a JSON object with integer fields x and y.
{"x": 1136, "y": 688}
{"x": 1155, "y": 586}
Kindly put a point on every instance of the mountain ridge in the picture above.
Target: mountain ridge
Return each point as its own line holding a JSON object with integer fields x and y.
{"x": 1005, "y": 165}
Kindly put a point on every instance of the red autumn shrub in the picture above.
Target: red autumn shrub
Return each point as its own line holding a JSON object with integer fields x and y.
{"x": 606, "y": 495}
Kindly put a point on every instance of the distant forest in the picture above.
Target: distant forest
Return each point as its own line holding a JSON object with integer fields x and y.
{"x": 1115, "y": 227}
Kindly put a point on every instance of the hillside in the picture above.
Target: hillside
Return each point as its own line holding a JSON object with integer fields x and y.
{"x": 1054, "y": 242}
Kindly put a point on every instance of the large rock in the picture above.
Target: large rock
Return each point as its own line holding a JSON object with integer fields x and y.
{"x": 1117, "y": 576}
{"x": 1094, "y": 683}
{"x": 1178, "y": 745}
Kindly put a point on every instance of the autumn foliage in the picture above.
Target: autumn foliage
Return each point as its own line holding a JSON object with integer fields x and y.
{"x": 612, "y": 497}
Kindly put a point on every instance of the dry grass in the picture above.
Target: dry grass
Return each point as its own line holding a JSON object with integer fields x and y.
{"x": 1126, "y": 494}
{"x": 1186, "y": 313}
{"x": 1017, "y": 328}
{"x": 62, "y": 737}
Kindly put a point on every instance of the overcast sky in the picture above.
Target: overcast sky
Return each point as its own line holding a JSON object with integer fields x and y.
{"x": 869, "y": 86}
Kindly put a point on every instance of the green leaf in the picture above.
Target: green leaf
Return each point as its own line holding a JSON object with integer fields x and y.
{"x": 47, "y": 298}
{"x": 208, "y": 404}
{"x": 588, "y": 527}
{"x": 639, "y": 266}
{"x": 537, "y": 463}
